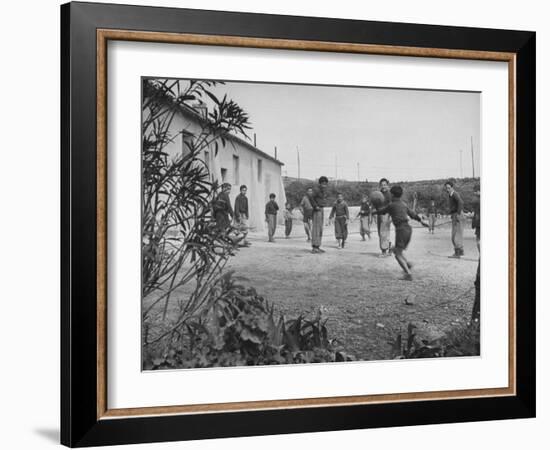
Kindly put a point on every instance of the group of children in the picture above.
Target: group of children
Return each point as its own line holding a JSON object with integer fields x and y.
{"x": 389, "y": 209}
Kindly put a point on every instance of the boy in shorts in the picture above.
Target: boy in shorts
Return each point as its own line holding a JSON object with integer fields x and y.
{"x": 400, "y": 213}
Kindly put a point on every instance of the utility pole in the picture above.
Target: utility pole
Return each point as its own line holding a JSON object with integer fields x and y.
{"x": 472, "y": 148}
{"x": 335, "y": 170}
{"x": 461, "y": 173}
{"x": 275, "y": 152}
{"x": 298, "y": 156}
{"x": 358, "y": 173}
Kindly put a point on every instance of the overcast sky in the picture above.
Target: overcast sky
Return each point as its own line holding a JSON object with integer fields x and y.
{"x": 398, "y": 134}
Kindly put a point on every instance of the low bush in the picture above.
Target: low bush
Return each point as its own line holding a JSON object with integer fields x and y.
{"x": 239, "y": 327}
{"x": 458, "y": 341}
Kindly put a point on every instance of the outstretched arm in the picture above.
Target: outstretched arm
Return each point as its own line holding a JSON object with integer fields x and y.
{"x": 413, "y": 215}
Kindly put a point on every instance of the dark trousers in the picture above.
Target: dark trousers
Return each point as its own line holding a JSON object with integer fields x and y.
{"x": 271, "y": 226}
{"x": 341, "y": 227}
{"x": 317, "y": 228}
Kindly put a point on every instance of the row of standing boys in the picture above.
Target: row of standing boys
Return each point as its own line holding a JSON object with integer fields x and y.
{"x": 390, "y": 209}
{"x": 224, "y": 214}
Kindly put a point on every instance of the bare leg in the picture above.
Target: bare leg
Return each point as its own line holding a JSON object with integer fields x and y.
{"x": 402, "y": 261}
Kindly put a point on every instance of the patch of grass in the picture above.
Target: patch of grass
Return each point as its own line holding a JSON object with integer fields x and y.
{"x": 462, "y": 340}
{"x": 457, "y": 341}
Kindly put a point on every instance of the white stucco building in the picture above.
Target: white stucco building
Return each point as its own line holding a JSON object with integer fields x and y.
{"x": 238, "y": 162}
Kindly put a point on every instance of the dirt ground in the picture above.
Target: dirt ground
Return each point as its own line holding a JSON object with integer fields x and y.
{"x": 360, "y": 294}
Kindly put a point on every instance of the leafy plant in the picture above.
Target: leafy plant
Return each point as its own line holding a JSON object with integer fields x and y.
{"x": 239, "y": 327}
{"x": 458, "y": 341}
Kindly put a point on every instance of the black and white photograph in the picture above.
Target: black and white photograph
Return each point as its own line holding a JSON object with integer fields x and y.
{"x": 292, "y": 224}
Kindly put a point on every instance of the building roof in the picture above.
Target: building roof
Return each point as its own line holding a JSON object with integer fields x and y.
{"x": 190, "y": 112}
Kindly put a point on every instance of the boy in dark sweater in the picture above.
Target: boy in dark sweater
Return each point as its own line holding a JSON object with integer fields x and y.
{"x": 400, "y": 213}
{"x": 241, "y": 214}
{"x": 271, "y": 209}
{"x": 222, "y": 208}
{"x": 340, "y": 214}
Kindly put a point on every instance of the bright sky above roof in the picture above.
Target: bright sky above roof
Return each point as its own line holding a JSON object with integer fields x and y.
{"x": 363, "y": 133}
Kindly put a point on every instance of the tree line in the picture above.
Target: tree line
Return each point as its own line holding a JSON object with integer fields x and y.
{"x": 353, "y": 191}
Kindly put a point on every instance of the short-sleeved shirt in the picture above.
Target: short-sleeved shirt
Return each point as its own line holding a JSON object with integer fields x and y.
{"x": 432, "y": 209}
{"x": 305, "y": 204}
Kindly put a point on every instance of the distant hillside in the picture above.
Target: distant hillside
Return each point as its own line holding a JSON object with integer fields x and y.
{"x": 353, "y": 191}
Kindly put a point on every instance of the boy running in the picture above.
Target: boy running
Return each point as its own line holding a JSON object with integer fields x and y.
{"x": 400, "y": 213}
{"x": 340, "y": 214}
{"x": 271, "y": 209}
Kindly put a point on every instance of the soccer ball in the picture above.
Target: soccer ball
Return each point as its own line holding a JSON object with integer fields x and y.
{"x": 376, "y": 198}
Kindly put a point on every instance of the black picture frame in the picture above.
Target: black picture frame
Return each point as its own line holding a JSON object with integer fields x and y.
{"x": 80, "y": 425}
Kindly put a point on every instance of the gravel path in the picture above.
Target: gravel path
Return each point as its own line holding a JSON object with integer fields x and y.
{"x": 361, "y": 294}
